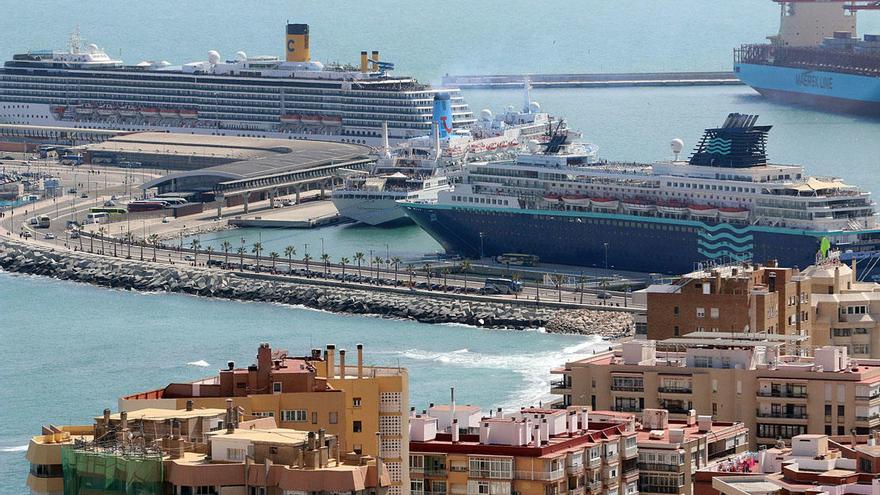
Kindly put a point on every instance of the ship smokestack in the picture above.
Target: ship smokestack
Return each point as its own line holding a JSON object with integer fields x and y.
{"x": 298, "y": 43}
{"x": 365, "y": 63}
{"x": 375, "y": 58}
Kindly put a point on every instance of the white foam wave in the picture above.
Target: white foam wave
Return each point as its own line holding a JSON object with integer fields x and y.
{"x": 533, "y": 367}
{"x": 201, "y": 363}
{"x": 16, "y": 448}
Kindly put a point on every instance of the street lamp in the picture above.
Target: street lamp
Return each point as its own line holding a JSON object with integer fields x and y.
{"x": 481, "y": 246}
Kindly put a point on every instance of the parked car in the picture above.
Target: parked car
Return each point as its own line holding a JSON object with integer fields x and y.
{"x": 49, "y": 236}
{"x": 188, "y": 258}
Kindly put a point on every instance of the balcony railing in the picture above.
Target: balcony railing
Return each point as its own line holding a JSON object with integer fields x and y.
{"x": 594, "y": 462}
{"x": 476, "y": 473}
{"x": 666, "y": 468}
{"x": 559, "y": 384}
{"x": 627, "y": 388}
{"x": 595, "y": 486}
{"x": 659, "y": 489}
{"x": 541, "y": 475}
{"x": 867, "y": 397}
{"x": 782, "y": 394}
{"x": 676, "y": 410}
{"x": 779, "y": 414}
{"x": 441, "y": 473}
{"x": 867, "y": 418}
{"x": 675, "y": 390}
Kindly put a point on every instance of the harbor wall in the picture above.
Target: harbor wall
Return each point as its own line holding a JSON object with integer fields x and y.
{"x": 106, "y": 271}
{"x": 602, "y": 80}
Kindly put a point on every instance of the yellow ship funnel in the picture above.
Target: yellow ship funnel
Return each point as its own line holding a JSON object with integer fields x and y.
{"x": 375, "y": 59}
{"x": 365, "y": 63}
{"x": 298, "y": 43}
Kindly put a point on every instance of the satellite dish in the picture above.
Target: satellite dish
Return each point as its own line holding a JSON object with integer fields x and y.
{"x": 240, "y": 56}
{"x": 485, "y": 114}
{"x": 213, "y": 57}
{"x": 534, "y": 145}
{"x": 534, "y": 107}
{"x": 677, "y": 145}
{"x": 92, "y": 48}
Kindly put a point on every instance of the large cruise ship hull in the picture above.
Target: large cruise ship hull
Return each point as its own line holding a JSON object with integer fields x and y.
{"x": 379, "y": 209}
{"x": 634, "y": 243}
{"x": 832, "y": 91}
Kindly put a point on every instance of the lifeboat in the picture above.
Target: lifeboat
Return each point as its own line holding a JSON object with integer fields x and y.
{"x": 734, "y": 213}
{"x": 128, "y": 112}
{"x": 311, "y": 119}
{"x": 672, "y": 208}
{"x": 576, "y": 200}
{"x": 331, "y": 120}
{"x": 638, "y": 205}
{"x": 149, "y": 112}
{"x": 604, "y": 203}
{"x": 552, "y": 197}
{"x": 168, "y": 112}
{"x": 85, "y": 110}
{"x": 59, "y": 109}
{"x": 189, "y": 114}
{"x": 291, "y": 118}
{"x": 703, "y": 211}
{"x": 105, "y": 111}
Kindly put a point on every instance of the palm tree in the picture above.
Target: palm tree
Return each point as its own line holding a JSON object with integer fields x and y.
{"x": 378, "y": 262}
{"x": 445, "y": 273}
{"x": 359, "y": 257}
{"x": 412, "y": 271}
{"x": 241, "y": 252}
{"x": 101, "y": 232}
{"x": 427, "y": 268}
{"x": 226, "y": 245}
{"x": 395, "y": 262}
{"x": 257, "y": 249}
{"x": 306, "y": 258}
{"x": 326, "y": 259}
{"x": 154, "y": 240}
{"x": 210, "y": 251}
{"x": 557, "y": 281}
{"x": 289, "y": 251}
{"x": 342, "y": 262}
{"x": 274, "y": 257}
{"x": 128, "y": 238}
{"x": 464, "y": 267}
{"x": 195, "y": 247}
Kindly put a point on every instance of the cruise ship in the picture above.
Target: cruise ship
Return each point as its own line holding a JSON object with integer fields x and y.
{"x": 258, "y": 96}
{"x": 817, "y": 59}
{"x": 726, "y": 203}
{"x": 416, "y": 170}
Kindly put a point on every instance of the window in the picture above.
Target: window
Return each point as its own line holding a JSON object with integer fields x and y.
{"x": 490, "y": 467}
{"x": 701, "y": 312}
{"x": 334, "y": 418}
{"x": 276, "y": 387}
{"x": 234, "y": 454}
{"x": 264, "y": 414}
{"x": 860, "y": 349}
{"x": 356, "y": 426}
{"x": 295, "y": 415}
{"x": 713, "y": 313}
{"x": 841, "y": 411}
{"x": 356, "y": 402}
{"x": 315, "y": 418}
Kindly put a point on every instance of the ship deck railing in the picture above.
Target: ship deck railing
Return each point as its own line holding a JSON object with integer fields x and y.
{"x": 814, "y": 58}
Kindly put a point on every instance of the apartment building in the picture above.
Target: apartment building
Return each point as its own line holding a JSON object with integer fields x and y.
{"x": 846, "y": 312}
{"x": 733, "y": 380}
{"x": 730, "y": 298}
{"x": 533, "y": 451}
{"x": 350, "y": 401}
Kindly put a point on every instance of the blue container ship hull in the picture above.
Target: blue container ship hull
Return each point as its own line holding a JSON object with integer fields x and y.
{"x": 835, "y": 91}
{"x": 635, "y": 243}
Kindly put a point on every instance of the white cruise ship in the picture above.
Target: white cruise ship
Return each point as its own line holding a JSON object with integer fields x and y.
{"x": 262, "y": 96}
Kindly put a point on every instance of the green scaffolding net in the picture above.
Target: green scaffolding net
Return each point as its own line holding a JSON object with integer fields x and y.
{"x": 99, "y": 471}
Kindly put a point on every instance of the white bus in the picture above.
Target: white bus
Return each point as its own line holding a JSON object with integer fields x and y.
{"x": 99, "y": 217}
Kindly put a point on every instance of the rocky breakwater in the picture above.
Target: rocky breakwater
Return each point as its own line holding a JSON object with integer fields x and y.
{"x": 145, "y": 276}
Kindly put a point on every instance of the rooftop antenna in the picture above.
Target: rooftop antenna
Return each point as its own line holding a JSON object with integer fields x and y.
{"x": 527, "y": 87}
{"x": 75, "y": 41}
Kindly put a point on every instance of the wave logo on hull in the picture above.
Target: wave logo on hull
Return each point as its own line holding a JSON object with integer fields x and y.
{"x": 725, "y": 241}
{"x": 719, "y": 146}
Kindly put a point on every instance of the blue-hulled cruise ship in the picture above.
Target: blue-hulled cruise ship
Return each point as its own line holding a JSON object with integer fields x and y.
{"x": 816, "y": 59}
{"x": 725, "y": 203}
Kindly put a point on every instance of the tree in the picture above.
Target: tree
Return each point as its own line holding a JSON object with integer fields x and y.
{"x": 101, "y": 232}
{"x": 464, "y": 267}
{"x": 378, "y": 261}
{"x": 257, "y": 249}
{"x": 395, "y": 262}
{"x": 129, "y": 237}
{"x": 210, "y": 251}
{"x": 241, "y": 252}
{"x": 558, "y": 278}
{"x": 289, "y": 251}
{"x": 412, "y": 271}
{"x": 306, "y": 259}
{"x": 326, "y": 259}
{"x": 154, "y": 240}
{"x": 226, "y": 245}
{"x": 359, "y": 257}
{"x": 195, "y": 244}
{"x": 427, "y": 268}
{"x": 342, "y": 262}
{"x": 445, "y": 273}
{"x": 274, "y": 257}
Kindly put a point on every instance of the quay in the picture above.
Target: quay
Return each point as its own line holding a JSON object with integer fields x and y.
{"x": 606, "y": 80}
{"x": 306, "y": 216}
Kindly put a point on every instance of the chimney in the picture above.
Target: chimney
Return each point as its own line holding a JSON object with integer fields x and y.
{"x": 484, "y": 432}
{"x": 189, "y": 405}
{"x": 455, "y": 432}
{"x": 545, "y": 431}
{"x": 375, "y": 59}
{"x": 584, "y": 418}
{"x": 452, "y": 403}
{"x": 360, "y": 358}
{"x": 230, "y": 421}
{"x": 321, "y": 437}
{"x": 264, "y": 357}
{"x": 341, "y": 363}
{"x": 230, "y": 365}
{"x": 536, "y": 435}
{"x": 365, "y": 64}
{"x": 107, "y": 419}
{"x": 836, "y": 279}
{"x": 329, "y": 356}
{"x": 572, "y": 423}
{"x": 123, "y": 421}
{"x": 311, "y": 440}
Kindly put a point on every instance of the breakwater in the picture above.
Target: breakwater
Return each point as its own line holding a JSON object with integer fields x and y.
{"x": 605, "y": 80}
{"x": 129, "y": 274}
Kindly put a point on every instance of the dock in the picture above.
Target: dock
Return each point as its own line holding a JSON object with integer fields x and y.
{"x": 304, "y": 216}
{"x": 606, "y": 80}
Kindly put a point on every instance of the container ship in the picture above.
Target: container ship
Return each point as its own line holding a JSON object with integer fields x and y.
{"x": 257, "y": 96}
{"x": 726, "y": 203}
{"x": 816, "y": 59}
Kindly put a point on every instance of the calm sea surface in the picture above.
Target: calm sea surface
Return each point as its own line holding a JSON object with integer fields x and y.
{"x": 69, "y": 350}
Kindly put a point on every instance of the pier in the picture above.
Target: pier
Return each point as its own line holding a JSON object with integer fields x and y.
{"x": 606, "y": 80}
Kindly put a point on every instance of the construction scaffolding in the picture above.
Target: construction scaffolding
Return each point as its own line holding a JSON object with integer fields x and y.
{"x": 91, "y": 468}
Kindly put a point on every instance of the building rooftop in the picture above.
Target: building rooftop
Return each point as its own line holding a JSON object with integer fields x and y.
{"x": 717, "y": 430}
{"x": 157, "y": 414}
{"x": 283, "y": 436}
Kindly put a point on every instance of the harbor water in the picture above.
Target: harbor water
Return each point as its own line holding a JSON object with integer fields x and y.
{"x": 69, "y": 350}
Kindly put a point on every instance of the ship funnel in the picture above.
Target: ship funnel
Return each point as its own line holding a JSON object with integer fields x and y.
{"x": 374, "y": 58}
{"x": 443, "y": 114}
{"x": 365, "y": 63}
{"x": 298, "y": 43}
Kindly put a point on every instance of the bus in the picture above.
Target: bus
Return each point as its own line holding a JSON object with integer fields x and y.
{"x": 71, "y": 159}
{"x": 100, "y": 217}
{"x": 40, "y": 221}
{"x": 171, "y": 201}
{"x": 502, "y": 286}
{"x": 112, "y": 210}
{"x": 517, "y": 259}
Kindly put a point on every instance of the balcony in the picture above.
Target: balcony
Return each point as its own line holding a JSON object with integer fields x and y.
{"x": 435, "y": 472}
{"x": 874, "y": 418}
{"x": 595, "y": 487}
{"x": 780, "y": 415}
{"x": 575, "y": 469}
{"x": 594, "y": 462}
{"x": 666, "y": 468}
{"x": 630, "y": 452}
{"x": 866, "y": 398}
{"x": 784, "y": 394}
{"x": 627, "y": 388}
{"x": 576, "y": 491}
{"x": 675, "y": 390}
{"x": 631, "y": 473}
{"x": 541, "y": 475}
{"x": 557, "y": 386}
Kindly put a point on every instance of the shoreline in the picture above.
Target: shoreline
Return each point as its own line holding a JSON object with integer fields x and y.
{"x": 146, "y": 276}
